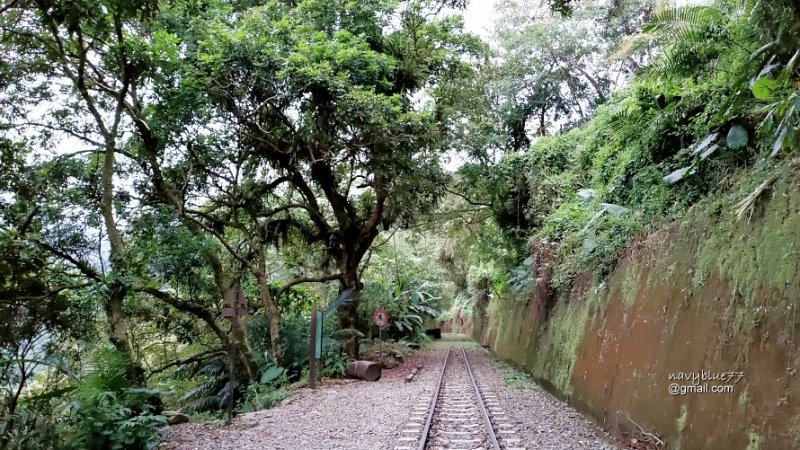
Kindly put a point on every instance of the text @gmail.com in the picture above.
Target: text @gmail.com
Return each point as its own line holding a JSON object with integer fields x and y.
{"x": 684, "y": 389}
{"x": 704, "y": 382}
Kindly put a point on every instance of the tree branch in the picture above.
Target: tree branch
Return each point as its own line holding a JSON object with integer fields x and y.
{"x": 467, "y": 199}
{"x": 297, "y": 281}
{"x": 82, "y": 266}
{"x": 189, "y": 307}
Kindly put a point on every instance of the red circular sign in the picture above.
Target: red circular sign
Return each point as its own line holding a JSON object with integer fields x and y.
{"x": 380, "y": 318}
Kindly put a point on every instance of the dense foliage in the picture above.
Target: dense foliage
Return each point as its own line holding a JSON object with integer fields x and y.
{"x": 714, "y": 90}
{"x": 159, "y": 157}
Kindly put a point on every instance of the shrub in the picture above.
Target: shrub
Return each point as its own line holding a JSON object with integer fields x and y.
{"x": 334, "y": 362}
{"x": 103, "y": 421}
{"x": 262, "y": 396}
{"x": 99, "y": 411}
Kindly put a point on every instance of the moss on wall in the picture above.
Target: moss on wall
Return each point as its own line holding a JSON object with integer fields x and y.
{"x": 706, "y": 291}
{"x": 755, "y": 254}
{"x": 680, "y": 424}
{"x": 755, "y": 440}
{"x": 564, "y": 336}
{"x": 794, "y": 431}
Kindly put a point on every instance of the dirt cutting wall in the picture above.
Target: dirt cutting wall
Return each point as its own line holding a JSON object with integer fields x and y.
{"x": 709, "y": 293}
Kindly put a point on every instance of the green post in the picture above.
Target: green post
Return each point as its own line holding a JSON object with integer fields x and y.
{"x": 318, "y": 344}
{"x": 312, "y": 352}
{"x": 314, "y": 348}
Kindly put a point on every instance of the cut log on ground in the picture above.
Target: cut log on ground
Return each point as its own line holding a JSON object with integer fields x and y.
{"x": 414, "y": 371}
{"x": 176, "y": 418}
{"x": 364, "y": 370}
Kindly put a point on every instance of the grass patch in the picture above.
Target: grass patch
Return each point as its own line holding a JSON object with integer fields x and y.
{"x": 512, "y": 376}
{"x": 261, "y": 396}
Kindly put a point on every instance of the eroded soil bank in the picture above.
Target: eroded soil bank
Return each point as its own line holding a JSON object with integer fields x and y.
{"x": 709, "y": 295}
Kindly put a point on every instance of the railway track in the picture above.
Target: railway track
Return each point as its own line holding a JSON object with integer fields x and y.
{"x": 458, "y": 414}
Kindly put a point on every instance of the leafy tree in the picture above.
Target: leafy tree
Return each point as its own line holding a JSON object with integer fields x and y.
{"x": 64, "y": 43}
{"x": 324, "y": 100}
{"x": 552, "y": 68}
{"x": 95, "y": 64}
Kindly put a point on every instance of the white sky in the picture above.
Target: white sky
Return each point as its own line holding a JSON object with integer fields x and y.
{"x": 480, "y": 14}
{"x": 479, "y": 17}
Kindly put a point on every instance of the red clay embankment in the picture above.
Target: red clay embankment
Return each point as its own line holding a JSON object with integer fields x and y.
{"x": 706, "y": 295}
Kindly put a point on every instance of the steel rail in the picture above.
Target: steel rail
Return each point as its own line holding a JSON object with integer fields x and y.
{"x": 423, "y": 440}
{"x": 484, "y": 413}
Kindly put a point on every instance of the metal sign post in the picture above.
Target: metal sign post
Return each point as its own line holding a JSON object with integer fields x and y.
{"x": 380, "y": 318}
{"x": 235, "y": 307}
{"x": 318, "y": 339}
{"x": 314, "y": 348}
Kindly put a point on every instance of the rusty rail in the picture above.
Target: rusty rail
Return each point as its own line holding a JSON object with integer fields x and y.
{"x": 432, "y": 407}
{"x": 481, "y": 406}
{"x": 423, "y": 441}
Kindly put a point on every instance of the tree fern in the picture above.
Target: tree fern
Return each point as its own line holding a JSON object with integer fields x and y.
{"x": 687, "y": 35}
{"x": 675, "y": 21}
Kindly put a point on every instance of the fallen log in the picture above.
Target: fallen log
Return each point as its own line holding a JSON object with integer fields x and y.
{"x": 364, "y": 370}
{"x": 175, "y": 417}
{"x": 414, "y": 371}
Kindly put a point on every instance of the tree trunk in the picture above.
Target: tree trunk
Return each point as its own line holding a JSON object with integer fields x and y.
{"x": 274, "y": 334}
{"x": 118, "y": 329}
{"x": 272, "y": 309}
{"x": 225, "y": 287}
{"x": 348, "y": 313}
{"x": 243, "y": 347}
{"x": 117, "y": 291}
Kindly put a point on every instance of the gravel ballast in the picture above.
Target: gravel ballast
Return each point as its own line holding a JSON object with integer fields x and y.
{"x": 354, "y": 414}
{"x": 543, "y": 422}
{"x": 348, "y": 414}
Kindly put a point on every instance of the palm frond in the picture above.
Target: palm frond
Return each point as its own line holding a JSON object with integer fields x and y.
{"x": 213, "y": 367}
{"x": 201, "y": 404}
{"x": 347, "y": 333}
{"x": 684, "y": 17}
{"x": 201, "y": 390}
{"x": 631, "y": 45}
{"x": 677, "y": 60}
{"x": 345, "y": 297}
{"x": 746, "y": 206}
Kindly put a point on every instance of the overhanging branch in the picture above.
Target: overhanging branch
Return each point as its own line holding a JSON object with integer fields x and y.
{"x": 295, "y": 282}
